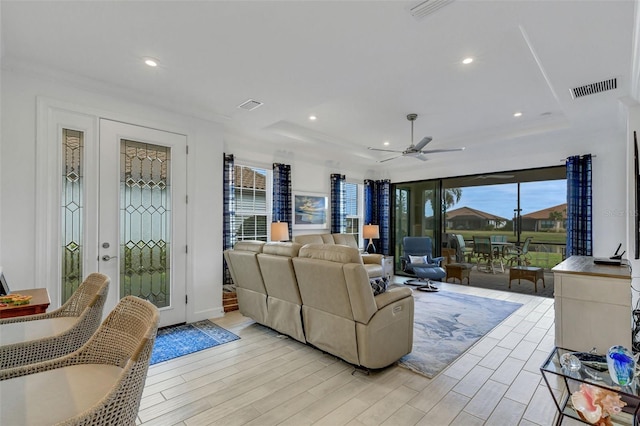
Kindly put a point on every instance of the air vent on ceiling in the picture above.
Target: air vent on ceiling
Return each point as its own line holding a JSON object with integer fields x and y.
{"x": 593, "y": 88}
{"x": 250, "y": 105}
{"x": 425, "y": 8}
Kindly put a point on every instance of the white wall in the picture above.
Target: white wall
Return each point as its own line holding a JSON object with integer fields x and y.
{"x": 306, "y": 176}
{"x": 17, "y": 183}
{"x": 17, "y": 179}
{"x": 630, "y": 211}
{"x": 532, "y": 151}
{"x": 609, "y": 174}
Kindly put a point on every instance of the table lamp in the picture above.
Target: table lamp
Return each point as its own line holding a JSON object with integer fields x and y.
{"x": 371, "y": 232}
{"x": 279, "y": 231}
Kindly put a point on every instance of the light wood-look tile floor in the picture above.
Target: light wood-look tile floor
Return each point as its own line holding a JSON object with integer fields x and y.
{"x": 268, "y": 379}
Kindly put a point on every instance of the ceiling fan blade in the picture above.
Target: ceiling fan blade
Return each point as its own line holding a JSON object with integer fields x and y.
{"x": 423, "y": 143}
{"x": 387, "y": 159}
{"x": 494, "y": 176}
{"x": 420, "y": 157}
{"x": 435, "y": 151}
{"x": 384, "y": 150}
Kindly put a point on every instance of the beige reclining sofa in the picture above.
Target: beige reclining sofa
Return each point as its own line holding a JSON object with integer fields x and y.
{"x": 372, "y": 262}
{"x": 321, "y": 294}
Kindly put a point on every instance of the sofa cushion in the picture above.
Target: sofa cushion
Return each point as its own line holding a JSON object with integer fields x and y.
{"x": 309, "y": 239}
{"x": 331, "y": 252}
{"x": 249, "y": 245}
{"x": 282, "y": 248}
{"x": 345, "y": 240}
{"x": 379, "y": 285}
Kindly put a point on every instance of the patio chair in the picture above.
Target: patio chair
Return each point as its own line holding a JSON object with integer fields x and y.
{"x": 520, "y": 255}
{"x": 36, "y": 338}
{"x": 417, "y": 260}
{"x": 484, "y": 253}
{"x": 463, "y": 253}
{"x": 99, "y": 384}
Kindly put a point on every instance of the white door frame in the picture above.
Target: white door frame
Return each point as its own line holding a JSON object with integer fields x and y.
{"x": 111, "y": 134}
{"x": 52, "y": 115}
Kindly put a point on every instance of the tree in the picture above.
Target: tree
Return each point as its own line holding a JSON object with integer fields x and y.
{"x": 450, "y": 197}
{"x": 557, "y": 217}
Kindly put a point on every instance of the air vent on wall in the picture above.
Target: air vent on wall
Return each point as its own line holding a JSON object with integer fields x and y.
{"x": 593, "y": 88}
{"x": 250, "y": 105}
{"x": 425, "y": 8}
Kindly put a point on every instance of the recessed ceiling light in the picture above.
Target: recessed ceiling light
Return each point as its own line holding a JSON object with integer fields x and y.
{"x": 385, "y": 143}
{"x": 467, "y": 61}
{"x": 151, "y": 62}
{"x": 312, "y": 117}
{"x": 517, "y": 114}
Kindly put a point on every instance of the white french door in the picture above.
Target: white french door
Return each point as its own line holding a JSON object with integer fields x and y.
{"x": 142, "y": 216}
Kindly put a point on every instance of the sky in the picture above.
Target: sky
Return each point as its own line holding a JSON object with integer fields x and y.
{"x": 501, "y": 200}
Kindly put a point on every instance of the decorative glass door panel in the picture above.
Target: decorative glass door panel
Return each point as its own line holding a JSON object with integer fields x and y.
{"x": 72, "y": 211}
{"x": 145, "y": 221}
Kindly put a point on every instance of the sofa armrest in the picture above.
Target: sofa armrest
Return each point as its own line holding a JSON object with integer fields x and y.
{"x": 372, "y": 259}
{"x": 392, "y": 295}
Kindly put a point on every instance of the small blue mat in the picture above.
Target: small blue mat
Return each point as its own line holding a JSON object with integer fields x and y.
{"x": 172, "y": 342}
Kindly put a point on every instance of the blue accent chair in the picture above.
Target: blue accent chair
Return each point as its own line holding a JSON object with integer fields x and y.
{"x": 427, "y": 268}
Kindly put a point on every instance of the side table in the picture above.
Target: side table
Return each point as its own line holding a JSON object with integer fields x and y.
{"x": 563, "y": 383}
{"x": 388, "y": 266}
{"x": 38, "y": 304}
{"x": 530, "y": 273}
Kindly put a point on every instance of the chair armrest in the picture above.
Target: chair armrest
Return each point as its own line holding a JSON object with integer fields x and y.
{"x": 391, "y": 296}
{"x": 373, "y": 259}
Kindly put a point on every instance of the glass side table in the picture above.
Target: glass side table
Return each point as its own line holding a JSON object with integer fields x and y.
{"x": 563, "y": 382}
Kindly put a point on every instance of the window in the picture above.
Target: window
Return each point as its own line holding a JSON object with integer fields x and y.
{"x": 253, "y": 201}
{"x": 353, "y": 214}
{"x": 72, "y": 233}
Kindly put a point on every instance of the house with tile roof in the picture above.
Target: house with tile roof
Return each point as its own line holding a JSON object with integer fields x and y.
{"x": 468, "y": 218}
{"x": 549, "y": 219}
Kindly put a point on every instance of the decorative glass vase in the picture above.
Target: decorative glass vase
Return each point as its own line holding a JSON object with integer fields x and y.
{"x": 622, "y": 365}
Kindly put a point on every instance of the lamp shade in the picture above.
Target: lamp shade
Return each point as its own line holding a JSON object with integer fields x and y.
{"x": 279, "y": 231}
{"x": 371, "y": 231}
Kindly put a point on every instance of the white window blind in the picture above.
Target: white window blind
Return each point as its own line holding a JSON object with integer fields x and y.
{"x": 252, "y": 203}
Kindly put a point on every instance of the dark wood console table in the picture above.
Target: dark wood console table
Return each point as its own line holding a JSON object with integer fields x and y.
{"x": 38, "y": 304}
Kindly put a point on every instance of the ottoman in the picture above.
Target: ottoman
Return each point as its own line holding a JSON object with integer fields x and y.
{"x": 459, "y": 271}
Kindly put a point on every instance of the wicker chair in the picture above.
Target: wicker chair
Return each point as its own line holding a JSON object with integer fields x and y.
{"x": 74, "y": 322}
{"x": 99, "y": 384}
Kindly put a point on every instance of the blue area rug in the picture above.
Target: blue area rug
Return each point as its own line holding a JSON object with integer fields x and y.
{"x": 172, "y": 342}
{"x": 446, "y": 324}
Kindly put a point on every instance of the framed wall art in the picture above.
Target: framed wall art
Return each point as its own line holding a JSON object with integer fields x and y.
{"x": 310, "y": 211}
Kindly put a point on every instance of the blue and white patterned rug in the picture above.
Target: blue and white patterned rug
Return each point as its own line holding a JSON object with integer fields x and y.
{"x": 446, "y": 324}
{"x": 172, "y": 342}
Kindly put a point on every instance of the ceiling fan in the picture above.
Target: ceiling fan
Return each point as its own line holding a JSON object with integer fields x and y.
{"x": 416, "y": 150}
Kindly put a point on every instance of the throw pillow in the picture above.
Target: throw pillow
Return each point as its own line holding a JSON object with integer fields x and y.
{"x": 379, "y": 285}
{"x": 417, "y": 259}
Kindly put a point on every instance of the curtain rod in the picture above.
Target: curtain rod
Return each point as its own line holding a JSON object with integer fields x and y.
{"x": 566, "y": 158}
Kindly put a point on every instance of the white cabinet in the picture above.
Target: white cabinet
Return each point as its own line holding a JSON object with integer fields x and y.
{"x": 592, "y": 305}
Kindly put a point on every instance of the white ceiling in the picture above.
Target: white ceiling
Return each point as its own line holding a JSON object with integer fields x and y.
{"x": 359, "y": 66}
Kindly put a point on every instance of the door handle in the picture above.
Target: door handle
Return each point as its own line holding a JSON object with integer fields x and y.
{"x": 107, "y": 258}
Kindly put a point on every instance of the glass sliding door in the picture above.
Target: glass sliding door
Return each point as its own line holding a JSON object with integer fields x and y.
{"x": 416, "y": 214}
{"x": 511, "y": 206}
